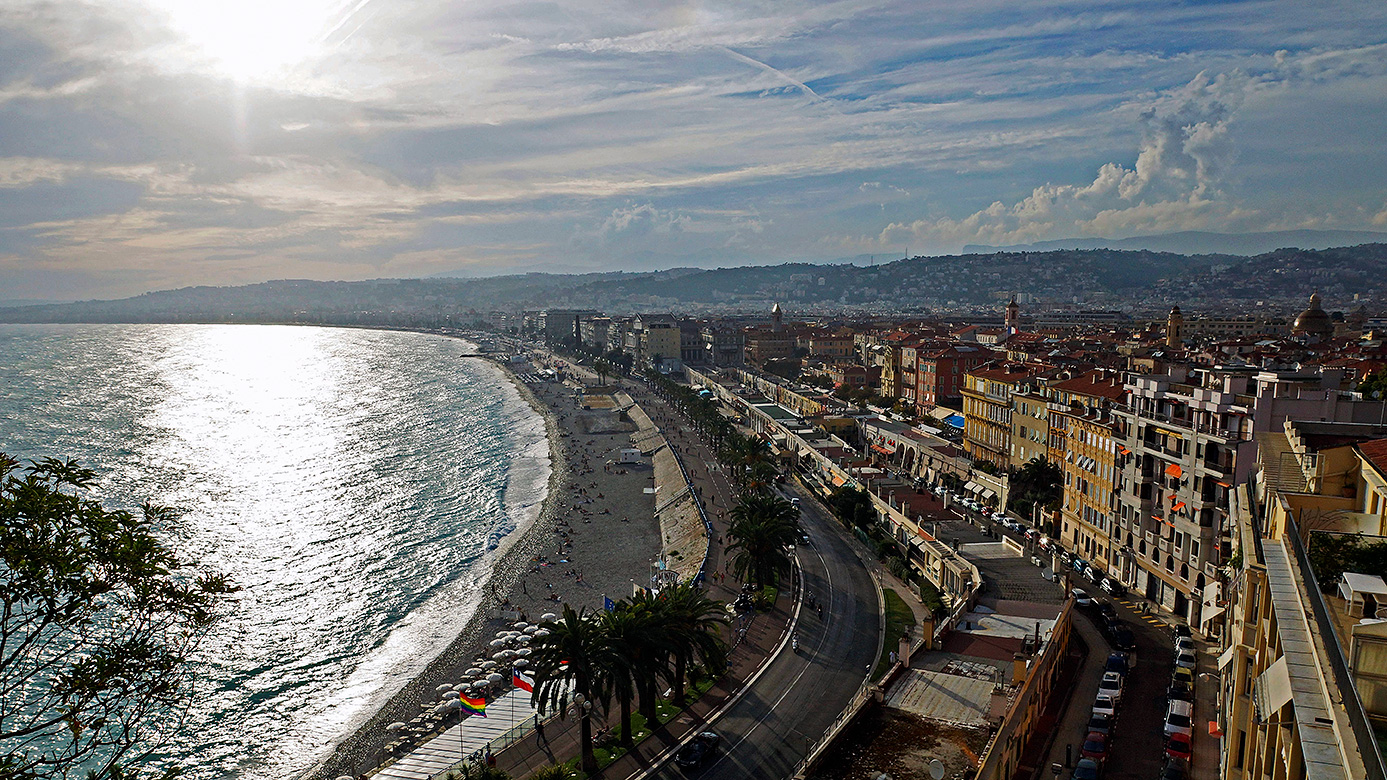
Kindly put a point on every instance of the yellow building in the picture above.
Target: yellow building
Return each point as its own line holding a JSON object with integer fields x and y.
{"x": 987, "y": 410}
{"x": 1083, "y": 443}
{"x": 1030, "y": 426}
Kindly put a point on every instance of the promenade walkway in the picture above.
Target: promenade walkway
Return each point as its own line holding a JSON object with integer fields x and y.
{"x": 473, "y": 734}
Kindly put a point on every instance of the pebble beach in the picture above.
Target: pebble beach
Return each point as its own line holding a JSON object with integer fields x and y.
{"x": 595, "y": 538}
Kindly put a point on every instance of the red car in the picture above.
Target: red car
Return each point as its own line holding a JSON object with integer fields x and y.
{"x": 1178, "y": 746}
{"x": 1095, "y": 746}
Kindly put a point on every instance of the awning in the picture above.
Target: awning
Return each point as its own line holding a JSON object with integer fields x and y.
{"x": 1124, "y": 450}
{"x": 1178, "y": 506}
{"x": 971, "y": 487}
{"x": 1271, "y": 690}
{"x": 956, "y": 420}
{"x": 1227, "y": 657}
{"x": 838, "y": 480}
{"x": 882, "y": 450}
{"x": 1225, "y": 484}
{"x": 1173, "y": 470}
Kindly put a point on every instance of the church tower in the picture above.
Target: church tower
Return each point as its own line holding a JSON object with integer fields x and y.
{"x": 777, "y": 319}
{"x": 1173, "y": 325}
{"x": 1013, "y": 317}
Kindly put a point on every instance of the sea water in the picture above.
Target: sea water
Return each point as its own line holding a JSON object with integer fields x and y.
{"x": 357, "y": 485}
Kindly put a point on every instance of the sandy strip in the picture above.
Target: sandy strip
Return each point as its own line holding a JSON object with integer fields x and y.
{"x": 595, "y": 537}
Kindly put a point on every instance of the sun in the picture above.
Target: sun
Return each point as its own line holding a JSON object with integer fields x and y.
{"x": 253, "y": 40}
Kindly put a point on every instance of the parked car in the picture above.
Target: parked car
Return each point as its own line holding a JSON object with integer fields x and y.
{"x": 1124, "y": 639}
{"x": 1185, "y": 660}
{"x": 1104, "y": 705}
{"x": 1093, "y": 575}
{"x": 999, "y": 517}
{"x": 1181, "y": 629}
{"x": 698, "y": 750}
{"x": 1178, "y": 746}
{"x": 1086, "y": 769}
{"x": 1107, "y": 611}
{"x": 1095, "y": 746}
{"x": 1179, "y": 718}
{"x": 1101, "y": 724}
{"x": 1179, "y": 691}
{"x": 1117, "y": 662}
{"x": 1183, "y": 675}
{"x": 1081, "y": 597}
{"x": 1184, "y": 644}
{"x": 1174, "y": 769}
{"x": 1111, "y": 685}
{"x": 1113, "y": 587}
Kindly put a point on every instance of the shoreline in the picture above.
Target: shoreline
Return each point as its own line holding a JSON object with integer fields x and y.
{"x": 507, "y": 584}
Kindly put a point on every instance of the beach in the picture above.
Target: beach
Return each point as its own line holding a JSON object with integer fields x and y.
{"x": 595, "y": 537}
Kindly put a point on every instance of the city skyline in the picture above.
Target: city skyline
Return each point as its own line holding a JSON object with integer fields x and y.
{"x": 163, "y": 144}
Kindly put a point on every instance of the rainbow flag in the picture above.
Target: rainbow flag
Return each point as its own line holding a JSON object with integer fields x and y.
{"x": 475, "y": 706}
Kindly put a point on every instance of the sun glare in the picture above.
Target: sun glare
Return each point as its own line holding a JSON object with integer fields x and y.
{"x": 251, "y": 40}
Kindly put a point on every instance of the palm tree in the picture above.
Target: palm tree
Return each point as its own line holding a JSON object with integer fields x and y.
{"x": 628, "y": 631}
{"x": 573, "y": 656}
{"x": 695, "y": 625}
{"x": 763, "y": 527}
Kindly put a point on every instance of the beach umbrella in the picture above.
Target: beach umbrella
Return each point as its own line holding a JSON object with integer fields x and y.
{"x": 462, "y": 685}
{"x": 345, "y": 777}
{"x": 531, "y": 629}
{"x": 494, "y": 678}
{"x": 472, "y": 672}
{"x": 522, "y": 625}
{"x": 524, "y": 651}
{"x": 498, "y": 642}
{"x": 499, "y": 657}
{"x": 520, "y": 663}
{"x": 548, "y": 616}
{"x": 442, "y": 688}
{"x": 450, "y": 694}
{"x": 524, "y": 640}
{"x": 543, "y": 632}
{"x": 488, "y": 665}
{"x": 396, "y": 726}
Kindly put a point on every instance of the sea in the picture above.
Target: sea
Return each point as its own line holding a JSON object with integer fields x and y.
{"x": 357, "y": 485}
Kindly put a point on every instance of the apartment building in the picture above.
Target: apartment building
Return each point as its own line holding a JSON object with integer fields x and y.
{"x": 722, "y": 345}
{"x": 1083, "y": 443}
{"x": 987, "y": 410}
{"x": 1030, "y": 424}
{"x": 939, "y": 373}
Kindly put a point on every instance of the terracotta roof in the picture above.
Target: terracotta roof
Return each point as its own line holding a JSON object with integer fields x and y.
{"x": 1375, "y": 452}
{"x": 1094, "y": 383}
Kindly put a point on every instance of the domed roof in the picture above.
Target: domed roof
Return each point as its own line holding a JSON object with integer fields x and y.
{"x": 1314, "y": 321}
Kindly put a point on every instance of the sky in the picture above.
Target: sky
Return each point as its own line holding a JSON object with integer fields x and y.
{"x": 152, "y": 144}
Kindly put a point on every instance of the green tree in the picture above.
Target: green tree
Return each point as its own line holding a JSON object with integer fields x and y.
{"x": 100, "y": 618}
{"x": 635, "y": 645}
{"x": 573, "y": 657}
{"x": 763, "y": 527}
{"x": 1374, "y": 385}
{"x": 695, "y": 623}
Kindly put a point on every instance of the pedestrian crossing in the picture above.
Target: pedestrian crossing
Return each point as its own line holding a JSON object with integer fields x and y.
{"x": 1146, "y": 617}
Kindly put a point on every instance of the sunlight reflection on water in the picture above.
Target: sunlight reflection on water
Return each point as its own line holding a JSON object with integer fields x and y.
{"x": 348, "y": 480}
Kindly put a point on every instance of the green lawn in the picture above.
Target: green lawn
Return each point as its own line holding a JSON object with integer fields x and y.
{"x": 899, "y": 620}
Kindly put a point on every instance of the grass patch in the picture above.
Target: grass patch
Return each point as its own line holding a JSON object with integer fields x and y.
{"x": 766, "y": 596}
{"x": 899, "y": 620}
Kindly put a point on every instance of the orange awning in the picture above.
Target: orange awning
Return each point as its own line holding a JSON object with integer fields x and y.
{"x": 882, "y": 450}
{"x": 1173, "y": 470}
{"x": 1124, "y": 450}
{"x": 1225, "y": 484}
{"x": 1178, "y": 507}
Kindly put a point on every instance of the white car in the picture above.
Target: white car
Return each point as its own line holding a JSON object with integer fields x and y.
{"x": 1081, "y": 597}
{"x": 1104, "y": 705}
{"x": 1185, "y": 660}
{"x": 1111, "y": 686}
{"x": 1179, "y": 718}
{"x": 1184, "y": 644}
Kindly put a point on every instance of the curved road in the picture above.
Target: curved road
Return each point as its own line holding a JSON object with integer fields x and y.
{"x": 766, "y": 732}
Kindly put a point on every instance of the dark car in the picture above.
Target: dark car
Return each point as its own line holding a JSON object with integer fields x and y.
{"x": 1095, "y": 746}
{"x": 1181, "y": 629}
{"x": 1086, "y": 769}
{"x": 1179, "y": 691}
{"x": 1174, "y": 769}
{"x": 1124, "y": 639}
{"x": 1113, "y": 587}
{"x": 1117, "y": 662}
{"x": 1100, "y": 724}
{"x": 698, "y": 750}
{"x": 1107, "y": 611}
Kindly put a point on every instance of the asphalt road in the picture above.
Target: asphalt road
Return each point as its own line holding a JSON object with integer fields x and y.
{"x": 766, "y": 732}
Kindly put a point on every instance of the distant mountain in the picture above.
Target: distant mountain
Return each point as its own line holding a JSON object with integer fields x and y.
{"x": 1139, "y": 282}
{"x": 1195, "y": 242}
